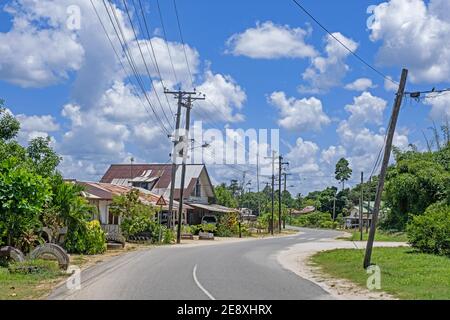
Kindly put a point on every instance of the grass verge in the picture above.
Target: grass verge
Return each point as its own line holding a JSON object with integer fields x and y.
{"x": 28, "y": 281}
{"x": 405, "y": 273}
{"x": 379, "y": 236}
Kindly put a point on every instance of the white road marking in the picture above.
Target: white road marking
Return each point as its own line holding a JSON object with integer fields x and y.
{"x": 194, "y": 274}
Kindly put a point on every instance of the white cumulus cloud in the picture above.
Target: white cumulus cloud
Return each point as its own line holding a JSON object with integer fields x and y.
{"x": 271, "y": 41}
{"x": 299, "y": 115}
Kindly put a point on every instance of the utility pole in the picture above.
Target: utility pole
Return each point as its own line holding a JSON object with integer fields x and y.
{"x": 271, "y": 224}
{"x": 385, "y": 163}
{"x": 131, "y": 171}
{"x": 176, "y": 140}
{"x": 280, "y": 168}
{"x": 185, "y": 100}
{"x": 285, "y": 174}
{"x": 334, "y": 207}
{"x": 257, "y": 181}
{"x": 361, "y": 208}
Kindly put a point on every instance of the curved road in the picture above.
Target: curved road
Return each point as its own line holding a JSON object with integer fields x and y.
{"x": 245, "y": 270}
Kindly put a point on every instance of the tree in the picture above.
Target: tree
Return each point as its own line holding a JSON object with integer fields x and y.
{"x": 343, "y": 171}
{"x": 22, "y": 197}
{"x": 9, "y": 125}
{"x": 416, "y": 181}
{"x": 225, "y": 197}
{"x": 44, "y": 158}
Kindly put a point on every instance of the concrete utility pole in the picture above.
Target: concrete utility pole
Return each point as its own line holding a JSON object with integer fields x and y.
{"x": 385, "y": 163}
{"x": 361, "y": 208}
{"x": 176, "y": 140}
{"x": 185, "y": 100}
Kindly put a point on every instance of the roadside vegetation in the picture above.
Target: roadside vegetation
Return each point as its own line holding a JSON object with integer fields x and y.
{"x": 405, "y": 273}
{"x": 28, "y": 280}
{"x": 417, "y": 195}
{"x": 380, "y": 235}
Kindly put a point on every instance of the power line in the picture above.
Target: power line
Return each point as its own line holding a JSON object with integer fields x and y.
{"x": 154, "y": 60}
{"x": 121, "y": 63}
{"x": 182, "y": 41}
{"x": 145, "y": 63}
{"x": 343, "y": 44}
{"x": 165, "y": 41}
{"x": 128, "y": 58}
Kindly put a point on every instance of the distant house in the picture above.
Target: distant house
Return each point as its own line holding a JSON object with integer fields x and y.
{"x": 306, "y": 210}
{"x": 352, "y": 221}
{"x": 198, "y": 191}
{"x": 101, "y": 195}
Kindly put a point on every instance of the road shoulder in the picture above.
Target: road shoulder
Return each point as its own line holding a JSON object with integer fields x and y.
{"x": 297, "y": 259}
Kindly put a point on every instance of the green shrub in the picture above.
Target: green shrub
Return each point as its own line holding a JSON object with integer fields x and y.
{"x": 88, "y": 238}
{"x": 138, "y": 223}
{"x": 430, "y": 232}
{"x": 169, "y": 236}
{"x": 315, "y": 220}
{"x": 207, "y": 227}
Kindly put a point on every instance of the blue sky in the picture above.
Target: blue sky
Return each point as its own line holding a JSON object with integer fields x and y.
{"x": 264, "y": 63}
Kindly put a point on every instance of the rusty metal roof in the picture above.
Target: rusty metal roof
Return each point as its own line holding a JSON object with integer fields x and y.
{"x": 122, "y": 174}
{"x": 107, "y": 191}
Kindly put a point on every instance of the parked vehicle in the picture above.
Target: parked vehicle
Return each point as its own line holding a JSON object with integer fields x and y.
{"x": 209, "y": 220}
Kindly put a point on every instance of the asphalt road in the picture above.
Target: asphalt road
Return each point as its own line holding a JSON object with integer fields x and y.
{"x": 239, "y": 270}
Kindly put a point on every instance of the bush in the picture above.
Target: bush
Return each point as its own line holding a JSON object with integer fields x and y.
{"x": 89, "y": 238}
{"x": 228, "y": 225}
{"x": 430, "y": 232}
{"x": 169, "y": 236}
{"x": 133, "y": 225}
{"x": 315, "y": 220}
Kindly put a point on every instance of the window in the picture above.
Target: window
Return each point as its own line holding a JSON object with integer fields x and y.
{"x": 112, "y": 219}
{"x": 198, "y": 189}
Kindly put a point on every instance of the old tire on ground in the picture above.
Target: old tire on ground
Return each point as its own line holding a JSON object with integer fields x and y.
{"x": 12, "y": 253}
{"x": 51, "y": 249}
{"x": 115, "y": 238}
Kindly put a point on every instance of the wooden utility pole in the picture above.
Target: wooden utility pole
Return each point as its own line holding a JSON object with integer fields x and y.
{"x": 361, "y": 209}
{"x": 334, "y": 207}
{"x": 280, "y": 169}
{"x": 384, "y": 166}
{"x": 271, "y": 223}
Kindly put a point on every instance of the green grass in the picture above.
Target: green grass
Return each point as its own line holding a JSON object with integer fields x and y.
{"x": 380, "y": 236}
{"x": 404, "y": 273}
{"x": 20, "y": 285}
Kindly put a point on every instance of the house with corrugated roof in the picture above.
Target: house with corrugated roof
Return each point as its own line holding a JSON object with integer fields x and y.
{"x": 101, "y": 195}
{"x": 198, "y": 191}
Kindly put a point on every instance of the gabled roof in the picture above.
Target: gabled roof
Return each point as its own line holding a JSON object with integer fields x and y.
{"x": 107, "y": 191}
{"x": 122, "y": 174}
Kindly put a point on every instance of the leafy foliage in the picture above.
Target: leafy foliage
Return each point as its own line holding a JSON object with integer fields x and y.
{"x": 430, "y": 232}
{"x": 225, "y": 196}
{"x": 22, "y": 196}
{"x": 88, "y": 238}
{"x": 9, "y": 126}
{"x": 415, "y": 182}
{"x": 343, "y": 171}
{"x": 315, "y": 220}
